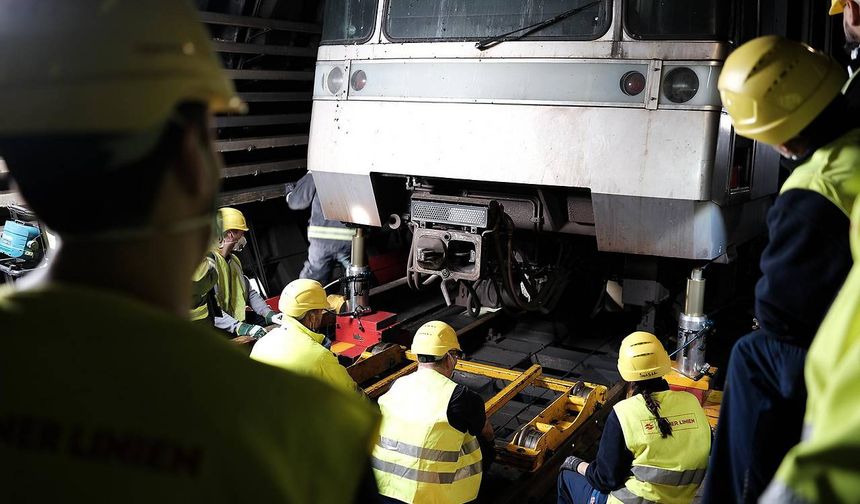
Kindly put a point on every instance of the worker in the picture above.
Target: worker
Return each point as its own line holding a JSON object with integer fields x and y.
{"x": 108, "y": 393}
{"x": 787, "y": 95}
{"x": 435, "y": 440}
{"x": 655, "y": 444}
{"x": 850, "y": 11}
{"x": 233, "y": 290}
{"x": 297, "y": 345}
{"x": 330, "y": 241}
{"x": 823, "y": 467}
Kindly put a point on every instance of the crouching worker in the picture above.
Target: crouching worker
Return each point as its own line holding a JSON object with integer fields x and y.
{"x": 435, "y": 440}
{"x": 296, "y": 345}
{"x": 655, "y": 444}
{"x": 233, "y": 290}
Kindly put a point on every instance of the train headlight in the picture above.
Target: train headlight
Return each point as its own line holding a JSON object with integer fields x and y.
{"x": 632, "y": 83}
{"x": 334, "y": 81}
{"x": 680, "y": 85}
{"x": 359, "y": 80}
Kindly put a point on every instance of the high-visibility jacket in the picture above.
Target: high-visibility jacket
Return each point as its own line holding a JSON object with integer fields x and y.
{"x": 825, "y": 465}
{"x": 232, "y": 294}
{"x": 665, "y": 470}
{"x": 419, "y": 457}
{"x": 832, "y": 171}
{"x": 204, "y": 280}
{"x": 298, "y": 349}
{"x": 160, "y": 409}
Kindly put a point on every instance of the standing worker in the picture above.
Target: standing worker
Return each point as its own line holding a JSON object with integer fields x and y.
{"x": 105, "y": 131}
{"x": 655, "y": 444}
{"x": 823, "y": 467}
{"x": 296, "y": 345}
{"x": 787, "y": 95}
{"x": 330, "y": 241}
{"x": 435, "y": 440}
{"x": 233, "y": 290}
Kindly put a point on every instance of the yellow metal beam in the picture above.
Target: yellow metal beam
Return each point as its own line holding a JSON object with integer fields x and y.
{"x": 516, "y": 385}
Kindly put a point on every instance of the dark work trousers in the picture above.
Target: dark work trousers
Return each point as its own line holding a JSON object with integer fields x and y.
{"x": 574, "y": 488}
{"x": 761, "y": 418}
{"x": 323, "y": 255}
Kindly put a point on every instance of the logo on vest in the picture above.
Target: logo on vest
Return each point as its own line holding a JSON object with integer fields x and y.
{"x": 678, "y": 423}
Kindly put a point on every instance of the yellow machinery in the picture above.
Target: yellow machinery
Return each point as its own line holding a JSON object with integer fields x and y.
{"x": 538, "y": 439}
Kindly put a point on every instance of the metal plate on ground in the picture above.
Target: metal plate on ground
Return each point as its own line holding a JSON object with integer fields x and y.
{"x": 498, "y": 357}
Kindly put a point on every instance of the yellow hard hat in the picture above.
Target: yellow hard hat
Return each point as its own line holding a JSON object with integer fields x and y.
{"x": 232, "y": 219}
{"x": 773, "y": 87}
{"x": 95, "y": 66}
{"x": 435, "y": 338}
{"x": 836, "y": 7}
{"x": 302, "y": 295}
{"x": 642, "y": 357}
{"x": 335, "y": 302}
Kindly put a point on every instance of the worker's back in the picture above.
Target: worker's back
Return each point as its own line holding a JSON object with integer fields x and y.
{"x": 146, "y": 407}
{"x": 665, "y": 469}
{"x": 298, "y": 349}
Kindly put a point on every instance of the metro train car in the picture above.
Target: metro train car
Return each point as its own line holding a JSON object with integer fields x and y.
{"x": 484, "y": 124}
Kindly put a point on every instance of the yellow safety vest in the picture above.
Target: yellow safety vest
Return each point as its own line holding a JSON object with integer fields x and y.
{"x": 296, "y": 348}
{"x": 330, "y": 233}
{"x": 232, "y": 296}
{"x": 205, "y": 278}
{"x": 420, "y": 458}
{"x": 824, "y": 466}
{"x": 832, "y": 171}
{"x": 169, "y": 412}
{"x": 665, "y": 470}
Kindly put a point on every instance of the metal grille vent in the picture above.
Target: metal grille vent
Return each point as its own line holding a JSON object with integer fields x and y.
{"x": 447, "y": 213}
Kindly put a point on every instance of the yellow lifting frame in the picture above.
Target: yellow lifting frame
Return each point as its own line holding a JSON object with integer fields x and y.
{"x": 536, "y": 441}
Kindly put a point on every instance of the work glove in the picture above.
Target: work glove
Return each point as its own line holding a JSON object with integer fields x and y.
{"x": 570, "y": 463}
{"x": 251, "y": 330}
{"x": 271, "y": 317}
{"x": 289, "y": 187}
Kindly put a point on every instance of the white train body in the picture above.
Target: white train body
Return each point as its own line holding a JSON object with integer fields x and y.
{"x": 645, "y": 175}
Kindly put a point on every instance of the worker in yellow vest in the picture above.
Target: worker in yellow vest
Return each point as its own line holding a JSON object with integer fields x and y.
{"x": 655, "y": 445}
{"x": 787, "y": 95}
{"x": 233, "y": 290}
{"x": 296, "y": 345}
{"x": 435, "y": 440}
{"x": 823, "y": 467}
{"x": 106, "y": 131}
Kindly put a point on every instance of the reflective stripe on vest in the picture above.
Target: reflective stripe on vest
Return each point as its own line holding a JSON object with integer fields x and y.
{"x": 668, "y": 477}
{"x": 420, "y": 457}
{"x": 428, "y": 453}
{"x": 831, "y": 171}
{"x": 664, "y": 469}
{"x": 627, "y": 497}
{"x": 330, "y": 233}
{"x": 231, "y": 295}
{"x": 437, "y": 478}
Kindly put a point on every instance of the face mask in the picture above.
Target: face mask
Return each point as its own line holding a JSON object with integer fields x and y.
{"x": 240, "y": 245}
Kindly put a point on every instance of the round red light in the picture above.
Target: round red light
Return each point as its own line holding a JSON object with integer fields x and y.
{"x": 632, "y": 83}
{"x": 359, "y": 80}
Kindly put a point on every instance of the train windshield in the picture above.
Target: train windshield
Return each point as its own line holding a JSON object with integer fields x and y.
{"x": 348, "y": 21}
{"x": 449, "y": 20}
{"x": 678, "y": 19}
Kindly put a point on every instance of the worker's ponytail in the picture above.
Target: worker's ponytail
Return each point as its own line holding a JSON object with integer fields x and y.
{"x": 646, "y": 388}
